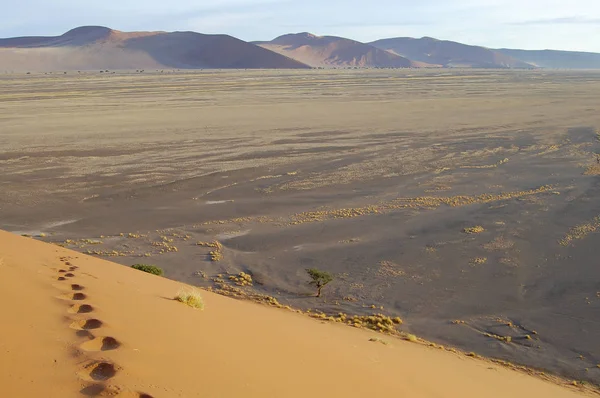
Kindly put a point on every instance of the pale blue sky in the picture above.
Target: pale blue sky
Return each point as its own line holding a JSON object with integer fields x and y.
{"x": 529, "y": 24}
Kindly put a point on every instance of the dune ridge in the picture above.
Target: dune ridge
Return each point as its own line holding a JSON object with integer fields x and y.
{"x": 80, "y": 326}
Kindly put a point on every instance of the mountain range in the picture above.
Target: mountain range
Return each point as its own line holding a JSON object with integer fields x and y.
{"x": 96, "y": 47}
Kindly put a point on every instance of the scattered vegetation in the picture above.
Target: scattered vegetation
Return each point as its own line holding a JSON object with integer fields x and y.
{"x": 486, "y": 166}
{"x": 241, "y": 279}
{"x": 499, "y": 243}
{"x": 112, "y": 253}
{"x": 592, "y": 170}
{"x": 423, "y": 202}
{"x": 377, "y": 322}
{"x": 165, "y": 245}
{"x": 190, "y": 297}
{"x": 235, "y": 292}
{"x": 151, "y": 269}
{"x": 389, "y": 269}
{"x": 217, "y": 253}
{"x": 506, "y": 339}
{"x": 581, "y": 231}
{"x": 319, "y": 278}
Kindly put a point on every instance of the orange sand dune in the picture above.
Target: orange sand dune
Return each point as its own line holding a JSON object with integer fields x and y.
{"x": 107, "y": 330}
{"x": 98, "y": 47}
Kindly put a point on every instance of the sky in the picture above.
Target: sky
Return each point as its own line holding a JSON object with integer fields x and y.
{"x": 527, "y": 24}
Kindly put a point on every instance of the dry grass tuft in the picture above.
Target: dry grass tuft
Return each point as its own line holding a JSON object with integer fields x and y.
{"x": 378, "y": 340}
{"x": 411, "y": 337}
{"x": 474, "y": 230}
{"x": 190, "y": 297}
{"x": 479, "y": 260}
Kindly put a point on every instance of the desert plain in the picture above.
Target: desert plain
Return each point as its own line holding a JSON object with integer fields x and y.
{"x": 463, "y": 201}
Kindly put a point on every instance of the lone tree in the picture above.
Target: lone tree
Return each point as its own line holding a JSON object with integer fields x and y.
{"x": 319, "y": 278}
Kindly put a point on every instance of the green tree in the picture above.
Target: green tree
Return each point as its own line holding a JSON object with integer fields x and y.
{"x": 319, "y": 278}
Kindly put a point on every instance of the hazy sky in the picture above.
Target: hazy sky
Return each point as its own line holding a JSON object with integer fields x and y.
{"x": 529, "y": 24}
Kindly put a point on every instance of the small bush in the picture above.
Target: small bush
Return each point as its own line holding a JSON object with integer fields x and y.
{"x": 151, "y": 269}
{"x": 191, "y": 298}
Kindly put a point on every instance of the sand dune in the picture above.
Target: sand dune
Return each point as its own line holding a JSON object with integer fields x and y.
{"x": 555, "y": 58}
{"x": 95, "y": 47}
{"x": 331, "y": 51}
{"x": 448, "y": 53}
{"x": 79, "y": 326}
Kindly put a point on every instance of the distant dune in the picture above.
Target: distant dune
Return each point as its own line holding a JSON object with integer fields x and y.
{"x": 94, "y": 47}
{"x": 74, "y": 325}
{"x": 555, "y": 59}
{"x": 448, "y": 53}
{"x": 331, "y": 51}
{"x": 97, "y": 47}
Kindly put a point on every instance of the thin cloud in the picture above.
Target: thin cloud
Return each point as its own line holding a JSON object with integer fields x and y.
{"x": 559, "y": 21}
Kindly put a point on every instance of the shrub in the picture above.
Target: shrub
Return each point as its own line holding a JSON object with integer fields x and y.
{"x": 151, "y": 269}
{"x": 319, "y": 278}
{"x": 190, "y": 297}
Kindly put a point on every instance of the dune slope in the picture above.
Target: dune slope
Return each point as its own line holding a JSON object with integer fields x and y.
{"x": 79, "y": 326}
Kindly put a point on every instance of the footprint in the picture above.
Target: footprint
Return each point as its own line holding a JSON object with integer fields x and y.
{"x": 62, "y": 278}
{"x": 85, "y": 333}
{"x": 69, "y": 275}
{"x": 73, "y": 268}
{"x": 99, "y": 371}
{"x": 86, "y": 324}
{"x": 67, "y": 263}
{"x": 95, "y": 390}
{"x": 74, "y": 296}
{"x": 81, "y": 309}
{"x": 131, "y": 394}
{"x": 76, "y": 287}
{"x": 62, "y": 271}
{"x": 101, "y": 344}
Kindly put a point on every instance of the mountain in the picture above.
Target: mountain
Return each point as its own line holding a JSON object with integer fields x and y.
{"x": 555, "y": 59}
{"x": 448, "y": 53}
{"x": 331, "y": 51}
{"x": 96, "y": 47}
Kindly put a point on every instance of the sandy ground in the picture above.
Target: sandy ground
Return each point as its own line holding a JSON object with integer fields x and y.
{"x": 78, "y": 326}
{"x": 375, "y": 176}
